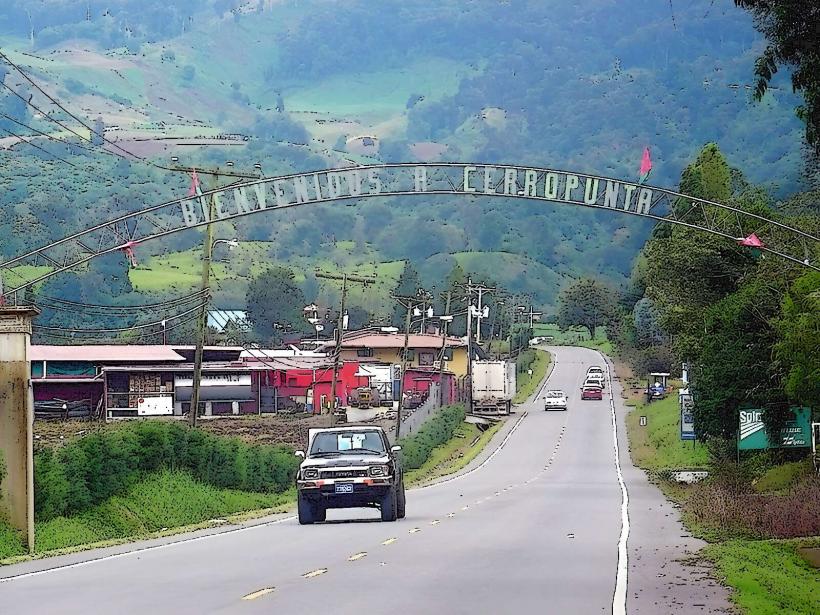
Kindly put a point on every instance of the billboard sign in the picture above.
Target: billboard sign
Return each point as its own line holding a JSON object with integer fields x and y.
{"x": 752, "y": 433}
{"x": 687, "y": 415}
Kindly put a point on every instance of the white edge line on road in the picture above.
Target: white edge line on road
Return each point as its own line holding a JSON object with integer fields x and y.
{"x": 619, "y": 597}
{"x": 175, "y": 543}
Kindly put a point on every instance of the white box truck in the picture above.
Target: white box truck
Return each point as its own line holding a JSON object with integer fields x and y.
{"x": 493, "y": 387}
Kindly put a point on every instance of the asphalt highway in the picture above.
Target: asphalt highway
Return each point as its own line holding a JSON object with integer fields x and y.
{"x": 536, "y": 524}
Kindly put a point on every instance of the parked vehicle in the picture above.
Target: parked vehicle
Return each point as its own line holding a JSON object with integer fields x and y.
{"x": 364, "y": 397}
{"x": 555, "y": 400}
{"x": 349, "y": 467}
{"x": 592, "y": 392}
{"x": 493, "y": 387}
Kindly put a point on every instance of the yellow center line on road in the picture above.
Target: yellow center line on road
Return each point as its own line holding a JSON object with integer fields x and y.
{"x": 414, "y": 530}
{"x": 389, "y": 541}
{"x": 357, "y": 556}
{"x": 314, "y": 573}
{"x": 259, "y": 593}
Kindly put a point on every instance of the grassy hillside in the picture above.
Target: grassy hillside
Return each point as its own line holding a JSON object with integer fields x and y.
{"x": 180, "y": 272}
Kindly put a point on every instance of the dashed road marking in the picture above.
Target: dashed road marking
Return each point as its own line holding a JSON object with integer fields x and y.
{"x": 389, "y": 541}
{"x": 464, "y": 507}
{"x": 259, "y": 593}
{"x": 451, "y": 515}
{"x": 435, "y": 522}
{"x": 357, "y": 556}
{"x": 414, "y": 530}
{"x": 314, "y": 573}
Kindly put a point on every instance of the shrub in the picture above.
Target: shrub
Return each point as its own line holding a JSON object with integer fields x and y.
{"x": 416, "y": 449}
{"x": 91, "y": 470}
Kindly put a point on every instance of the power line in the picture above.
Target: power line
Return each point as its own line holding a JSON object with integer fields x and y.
{"x": 34, "y": 145}
{"x": 122, "y": 329}
{"x": 54, "y": 139}
{"x": 57, "y": 103}
{"x": 144, "y": 306}
{"x": 102, "y": 136}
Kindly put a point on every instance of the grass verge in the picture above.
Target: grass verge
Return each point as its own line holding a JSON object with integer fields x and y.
{"x": 769, "y": 576}
{"x": 526, "y": 384}
{"x": 163, "y": 503}
{"x": 454, "y": 455}
{"x": 658, "y": 446}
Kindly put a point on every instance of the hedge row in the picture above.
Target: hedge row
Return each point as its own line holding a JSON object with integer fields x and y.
{"x": 416, "y": 449}
{"x": 92, "y": 469}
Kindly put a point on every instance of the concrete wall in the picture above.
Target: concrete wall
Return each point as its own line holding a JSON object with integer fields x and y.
{"x": 16, "y": 419}
{"x": 411, "y": 423}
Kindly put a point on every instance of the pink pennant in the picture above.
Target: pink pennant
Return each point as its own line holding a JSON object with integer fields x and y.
{"x": 752, "y": 241}
{"x": 646, "y": 164}
{"x": 128, "y": 249}
{"x": 194, "y": 190}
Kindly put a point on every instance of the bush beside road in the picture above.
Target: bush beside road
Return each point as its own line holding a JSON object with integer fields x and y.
{"x": 138, "y": 480}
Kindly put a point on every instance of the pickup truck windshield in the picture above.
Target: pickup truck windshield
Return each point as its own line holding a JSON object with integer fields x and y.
{"x": 345, "y": 442}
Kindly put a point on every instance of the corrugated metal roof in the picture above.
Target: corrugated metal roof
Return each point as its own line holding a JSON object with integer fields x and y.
{"x": 103, "y": 353}
{"x": 396, "y": 340}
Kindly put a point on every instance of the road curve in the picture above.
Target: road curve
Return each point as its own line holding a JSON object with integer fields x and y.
{"x": 534, "y": 528}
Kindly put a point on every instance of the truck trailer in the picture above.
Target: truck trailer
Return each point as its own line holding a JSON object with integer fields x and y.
{"x": 493, "y": 387}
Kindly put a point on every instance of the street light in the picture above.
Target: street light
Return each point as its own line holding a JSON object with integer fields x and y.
{"x": 231, "y": 243}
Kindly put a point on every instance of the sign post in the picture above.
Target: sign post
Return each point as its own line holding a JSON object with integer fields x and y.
{"x": 687, "y": 416}
{"x": 17, "y": 419}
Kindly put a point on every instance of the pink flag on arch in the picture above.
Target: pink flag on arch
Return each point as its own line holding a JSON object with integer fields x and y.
{"x": 752, "y": 241}
{"x": 646, "y": 166}
{"x": 194, "y": 184}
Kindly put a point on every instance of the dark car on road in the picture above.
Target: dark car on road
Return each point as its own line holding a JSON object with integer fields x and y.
{"x": 349, "y": 467}
{"x": 592, "y": 392}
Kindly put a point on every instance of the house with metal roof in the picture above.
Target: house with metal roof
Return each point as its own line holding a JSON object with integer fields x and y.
{"x": 424, "y": 350}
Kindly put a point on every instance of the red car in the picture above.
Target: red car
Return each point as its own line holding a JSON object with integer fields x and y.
{"x": 591, "y": 392}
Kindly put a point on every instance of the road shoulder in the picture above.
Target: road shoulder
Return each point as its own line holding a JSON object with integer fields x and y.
{"x": 666, "y": 571}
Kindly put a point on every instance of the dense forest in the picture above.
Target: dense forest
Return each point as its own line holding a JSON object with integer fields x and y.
{"x": 584, "y": 86}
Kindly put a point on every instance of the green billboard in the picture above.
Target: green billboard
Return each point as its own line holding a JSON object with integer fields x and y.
{"x": 752, "y": 433}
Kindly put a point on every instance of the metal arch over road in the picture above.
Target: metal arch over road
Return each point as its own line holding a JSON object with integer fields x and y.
{"x": 386, "y": 180}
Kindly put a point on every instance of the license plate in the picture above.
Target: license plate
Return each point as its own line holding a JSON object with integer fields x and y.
{"x": 344, "y": 487}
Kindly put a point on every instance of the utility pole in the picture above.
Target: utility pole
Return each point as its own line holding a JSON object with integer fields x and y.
{"x": 337, "y": 351}
{"x": 533, "y": 315}
{"x": 480, "y": 290}
{"x": 421, "y": 298}
{"x": 207, "y": 249}
{"x": 469, "y": 354}
{"x": 445, "y": 319}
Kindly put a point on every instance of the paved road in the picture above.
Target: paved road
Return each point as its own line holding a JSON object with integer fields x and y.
{"x": 534, "y": 528}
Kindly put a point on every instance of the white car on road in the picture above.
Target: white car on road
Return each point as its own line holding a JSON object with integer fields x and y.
{"x": 555, "y": 400}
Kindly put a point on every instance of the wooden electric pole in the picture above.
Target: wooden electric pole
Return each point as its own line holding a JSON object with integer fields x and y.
{"x": 337, "y": 350}
{"x": 421, "y": 298}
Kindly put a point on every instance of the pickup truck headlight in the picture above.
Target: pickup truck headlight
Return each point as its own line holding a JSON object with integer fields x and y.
{"x": 378, "y": 471}
{"x": 310, "y": 473}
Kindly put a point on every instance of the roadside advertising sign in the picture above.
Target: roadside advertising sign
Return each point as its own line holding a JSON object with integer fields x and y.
{"x": 687, "y": 416}
{"x": 752, "y": 433}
